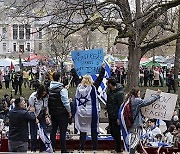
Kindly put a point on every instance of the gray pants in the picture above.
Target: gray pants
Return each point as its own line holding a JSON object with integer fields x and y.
{"x": 17, "y": 146}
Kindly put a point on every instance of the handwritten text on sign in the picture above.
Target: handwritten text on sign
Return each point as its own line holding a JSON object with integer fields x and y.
{"x": 162, "y": 108}
{"x": 87, "y": 61}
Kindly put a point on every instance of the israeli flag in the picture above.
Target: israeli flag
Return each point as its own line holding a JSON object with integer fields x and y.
{"x": 102, "y": 88}
{"x": 124, "y": 131}
{"x": 45, "y": 139}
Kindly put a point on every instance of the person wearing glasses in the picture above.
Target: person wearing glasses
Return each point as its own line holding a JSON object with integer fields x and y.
{"x": 38, "y": 100}
{"x": 18, "y": 126}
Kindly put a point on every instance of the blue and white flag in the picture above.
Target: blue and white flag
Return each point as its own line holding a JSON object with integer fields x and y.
{"x": 86, "y": 109}
{"x": 124, "y": 131}
{"x": 45, "y": 139}
{"x": 102, "y": 88}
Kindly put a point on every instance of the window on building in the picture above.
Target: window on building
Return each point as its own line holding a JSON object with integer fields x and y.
{"x": 15, "y": 31}
{"x": 4, "y": 47}
{"x": 40, "y": 34}
{"x": 28, "y": 46}
{"x": 21, "y": 31}
{"x": 40, "y": 46}
{"x": 4, "y": 32}
{"x": 14, "y": 47}
{"x": 28, "y": 31}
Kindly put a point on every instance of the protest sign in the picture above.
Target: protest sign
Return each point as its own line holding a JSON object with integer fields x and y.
{"x": 87, "y": 61}
{"x": 163, "y": 108}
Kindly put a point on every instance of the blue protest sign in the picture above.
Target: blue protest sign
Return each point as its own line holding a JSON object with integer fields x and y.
{"x": 87, "y": 61}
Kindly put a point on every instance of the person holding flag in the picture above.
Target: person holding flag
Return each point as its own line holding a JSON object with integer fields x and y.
{"x": 131, "y": 136}
{"x": 39, "y": 100}
{"x": 87, "y": 108}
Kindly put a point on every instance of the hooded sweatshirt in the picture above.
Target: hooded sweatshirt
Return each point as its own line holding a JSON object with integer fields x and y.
{"x": 63, "y": 93}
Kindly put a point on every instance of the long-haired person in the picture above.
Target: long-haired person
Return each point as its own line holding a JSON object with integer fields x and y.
{"x": 136, "y": 104}
{"x": 38, "y": 100}
{"x": 87, "y": 108}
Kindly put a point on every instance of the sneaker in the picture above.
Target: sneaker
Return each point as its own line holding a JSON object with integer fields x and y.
{"x": 81, "y": 151}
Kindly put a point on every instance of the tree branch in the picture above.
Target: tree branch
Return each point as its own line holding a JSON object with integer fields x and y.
{"x": 158, "y": 43}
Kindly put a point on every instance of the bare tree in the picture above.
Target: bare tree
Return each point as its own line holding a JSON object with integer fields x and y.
{"x": 141, "y": 23}
{"x": 177, "y": 55}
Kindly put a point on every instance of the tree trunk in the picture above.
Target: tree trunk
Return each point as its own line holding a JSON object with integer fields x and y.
{"x": 177, "y": 56}
{"x": 133, "y": 67}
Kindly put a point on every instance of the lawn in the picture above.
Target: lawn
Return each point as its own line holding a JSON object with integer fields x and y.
{"x": 27, "y": 92}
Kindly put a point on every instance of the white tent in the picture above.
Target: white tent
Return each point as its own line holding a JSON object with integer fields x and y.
{"x": 7, "y": 62}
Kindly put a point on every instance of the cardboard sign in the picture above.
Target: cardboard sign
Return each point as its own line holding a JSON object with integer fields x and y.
{"x": 87, "y": 61}
{"x": 163, "y": 108}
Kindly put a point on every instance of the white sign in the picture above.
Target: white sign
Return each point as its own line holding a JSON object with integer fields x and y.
{"x": 16, "y": 68}
{"x": 163, "y": 108}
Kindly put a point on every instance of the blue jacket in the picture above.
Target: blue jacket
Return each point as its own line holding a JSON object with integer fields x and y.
{"x": 136, "y": 104}
{"x": 18, "y": 124}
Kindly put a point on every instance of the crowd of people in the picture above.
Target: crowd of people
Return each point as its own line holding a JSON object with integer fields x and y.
{"x": 148, "y": 76}
{"x": 50, "y": 104}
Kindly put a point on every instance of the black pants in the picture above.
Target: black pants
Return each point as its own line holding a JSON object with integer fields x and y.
{"x": 60, "y": 122}
{"x": 18, "y": 86}
{"x": 83, "y": 139}
{"x": 6, "y": 84}
{"x": 116, "y": 134}
{"x": 171, "y": 85}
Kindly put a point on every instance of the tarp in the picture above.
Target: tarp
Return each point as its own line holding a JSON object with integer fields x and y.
{"x": 109, "y": 59}
{"x": 151, "y": 63}
{"x": 31, "y": 63}
{"x": 7, "y": 62}
{"x": 159, "y": 59}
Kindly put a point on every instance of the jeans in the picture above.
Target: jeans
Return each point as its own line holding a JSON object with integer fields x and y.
{"x": 60, "y": 122}
{"x": 17, "y": 146}
{"x": 116, "y": 134}
{"x": 83, "y": 139}
{"x": 33, "y": 131}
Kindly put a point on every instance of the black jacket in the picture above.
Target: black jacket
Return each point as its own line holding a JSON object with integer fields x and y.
{"x": 99, "y": 79}
{"x": 18, "y": 124}
{"x": 114, "y": 99}
{"x": 55, "y": 105}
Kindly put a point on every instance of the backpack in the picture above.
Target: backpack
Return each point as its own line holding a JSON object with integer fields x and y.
{"x": 128, "y": 115}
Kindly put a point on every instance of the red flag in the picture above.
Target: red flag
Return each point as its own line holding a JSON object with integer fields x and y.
{"x": 28, "y": 59}
{"x": 12, "y": 66}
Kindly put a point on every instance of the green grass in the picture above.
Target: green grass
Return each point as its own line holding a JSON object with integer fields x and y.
{"x": 26, "y": 92}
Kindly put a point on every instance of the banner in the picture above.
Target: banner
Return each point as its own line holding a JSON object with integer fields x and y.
{"x": 163, "y": 108}
{"x": 88, "y": 61}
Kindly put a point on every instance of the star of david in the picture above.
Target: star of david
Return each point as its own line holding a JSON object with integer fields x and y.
{"x": 82, "y": 100}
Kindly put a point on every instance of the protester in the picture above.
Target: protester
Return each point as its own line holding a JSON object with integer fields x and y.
{"x": 18, "y": 126}
{"x": 87, "y": 109}
{"x": 38, "y": 100}
{"x": 26, "y": 78}
{"x": 136, "y": 104}
{"x": 152, "y": 130}
{"x": 7, "y": 79}
{"x": 156, "y": 77}
{"x": 171, "y": 82}
{"x": 18, "y": 80}
{"x": 170, "y": 134}
{"x": 75, "y": 78}
{"x": 60, "y": 111}
{"x": 115, "y": 97}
